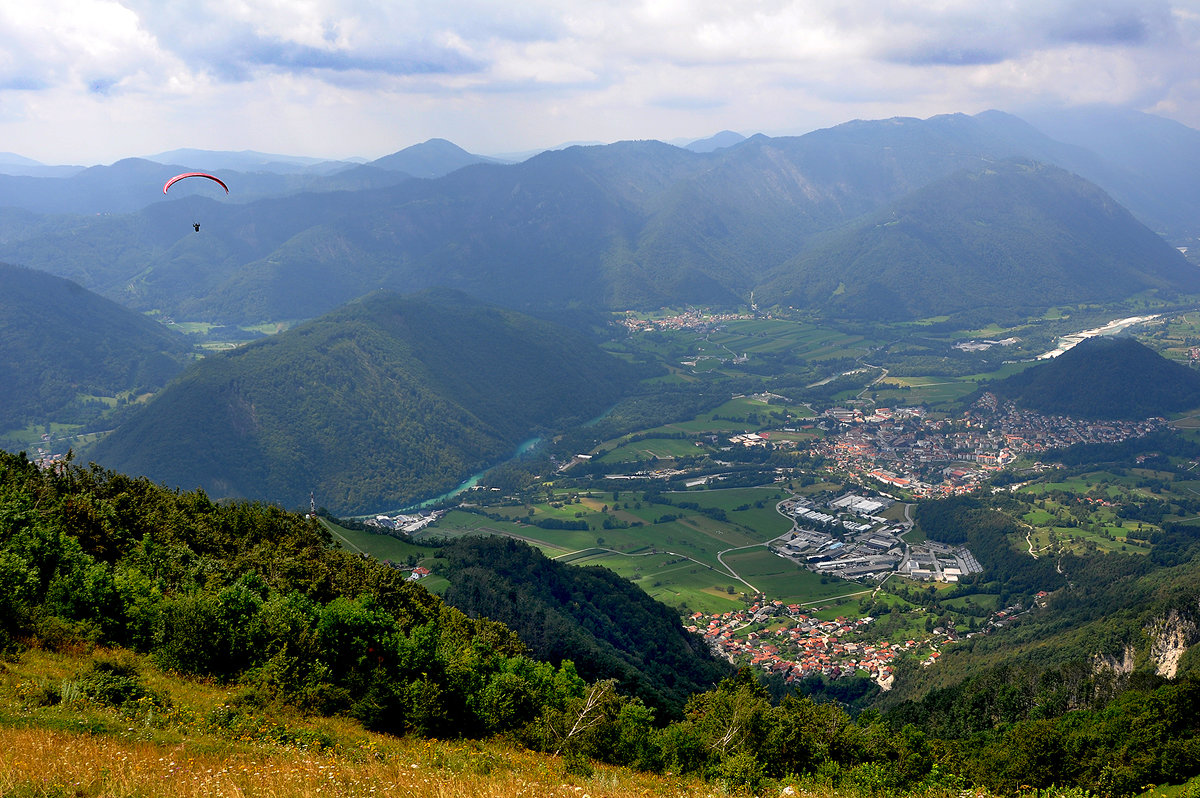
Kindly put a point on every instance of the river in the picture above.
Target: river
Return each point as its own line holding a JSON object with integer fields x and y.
{"x": 472, "y": 481}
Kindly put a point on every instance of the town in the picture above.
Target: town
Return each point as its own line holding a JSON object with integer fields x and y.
{"x": 784, "y": 641}
{"x": 930, "y": 457}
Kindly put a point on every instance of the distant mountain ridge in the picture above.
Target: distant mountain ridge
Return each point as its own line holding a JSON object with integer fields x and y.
{"x": 717, "y": 141}
{"x": 429, "y": 159}
{"x": 628, "y": 225}
{"x": 1043, "y": 234}
{"x": 251, "y": 161}
{"x": 1153, "y": 161}
{"x": 383, "y": 402}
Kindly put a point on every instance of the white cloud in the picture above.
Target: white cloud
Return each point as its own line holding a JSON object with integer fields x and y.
{"x": 496, "y": 77}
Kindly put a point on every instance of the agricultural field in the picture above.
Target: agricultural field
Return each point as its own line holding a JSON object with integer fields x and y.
{"x": 1085, "y": 510}
{"x": 808, "y": 342}
{"x": 652, "y": 448}
{"x": 379, "y": 546}
{"x": 739, "y": 414}
{"x": 919, "y": 390}
{"x": 782, "y": 579}
{"x": 669, "y": 550}
{"x": 1176, "y": 336}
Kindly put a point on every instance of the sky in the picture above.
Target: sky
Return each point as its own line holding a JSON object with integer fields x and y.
{"x": 93, "y": 81}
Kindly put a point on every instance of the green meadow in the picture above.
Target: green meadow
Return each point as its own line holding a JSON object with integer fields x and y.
{"x": 671, "y": 552}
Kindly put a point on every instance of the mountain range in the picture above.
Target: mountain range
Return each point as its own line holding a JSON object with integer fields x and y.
{"x": 381, "y": 399}
{"x": 636, "y": 224}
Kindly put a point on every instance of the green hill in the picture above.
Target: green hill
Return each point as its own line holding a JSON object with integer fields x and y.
{"x": 604, "y": 624}
{"x": 60, "y": 342}
{"x": 1016, "y": 236}
{"x": 380, "y": 403}
{"x": 1105, "y": 377}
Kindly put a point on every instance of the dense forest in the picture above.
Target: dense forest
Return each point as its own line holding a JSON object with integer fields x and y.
{"x": 60, "y": 343}
{"x": 609, "y": 627}
{"x": 1004, "y": 237}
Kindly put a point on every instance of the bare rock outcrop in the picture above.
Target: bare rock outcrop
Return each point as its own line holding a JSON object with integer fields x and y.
{"x": 1170, "y": 637}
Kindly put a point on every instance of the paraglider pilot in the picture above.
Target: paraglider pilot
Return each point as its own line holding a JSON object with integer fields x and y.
{"x": 197, "y": 226}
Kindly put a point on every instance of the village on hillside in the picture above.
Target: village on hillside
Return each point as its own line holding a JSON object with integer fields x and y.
{"x": 782, "y": 640}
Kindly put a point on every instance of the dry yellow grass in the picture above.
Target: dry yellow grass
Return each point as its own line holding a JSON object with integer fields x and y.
{"x": 44, "y": 762}
{"x": 82, "y": 749}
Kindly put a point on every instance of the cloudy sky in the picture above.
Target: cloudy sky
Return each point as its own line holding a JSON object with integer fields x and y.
{"x": 92, "y": 81}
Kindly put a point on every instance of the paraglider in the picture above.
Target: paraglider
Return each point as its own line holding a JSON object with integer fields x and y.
{"x": 177, "y": 178}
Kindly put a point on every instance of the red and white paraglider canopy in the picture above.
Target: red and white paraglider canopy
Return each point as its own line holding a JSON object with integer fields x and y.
{"x": 177, "y": 178}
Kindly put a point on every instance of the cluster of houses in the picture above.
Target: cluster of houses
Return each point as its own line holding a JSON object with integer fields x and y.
{"x": 794, "y": 645}
{"x": 927, "y": 457}
{"x": 781, "y": 639}
{"x": 689, "y": 320}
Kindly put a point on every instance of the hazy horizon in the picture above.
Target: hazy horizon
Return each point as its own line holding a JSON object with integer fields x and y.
{"x": 93, "y": 81}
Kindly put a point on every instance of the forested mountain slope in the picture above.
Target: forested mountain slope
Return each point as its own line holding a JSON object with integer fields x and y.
{"x": 1105, "y": 377}
{"x": 256, "y": 599}
{"x": 1010, "y": 238}
{"x": 383, "y": 402}
{"x": 60, "y": 342}
{"x": 607, "y": 626}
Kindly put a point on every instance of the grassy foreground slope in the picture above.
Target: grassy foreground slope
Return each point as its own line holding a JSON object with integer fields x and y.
{"x": 203, "y": 643}
{"x": 80, "y": 747}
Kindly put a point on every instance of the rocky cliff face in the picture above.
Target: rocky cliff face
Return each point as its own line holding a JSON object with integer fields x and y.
{"x": 1118, "y": 665}
{"x": 1170, "y": 636}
